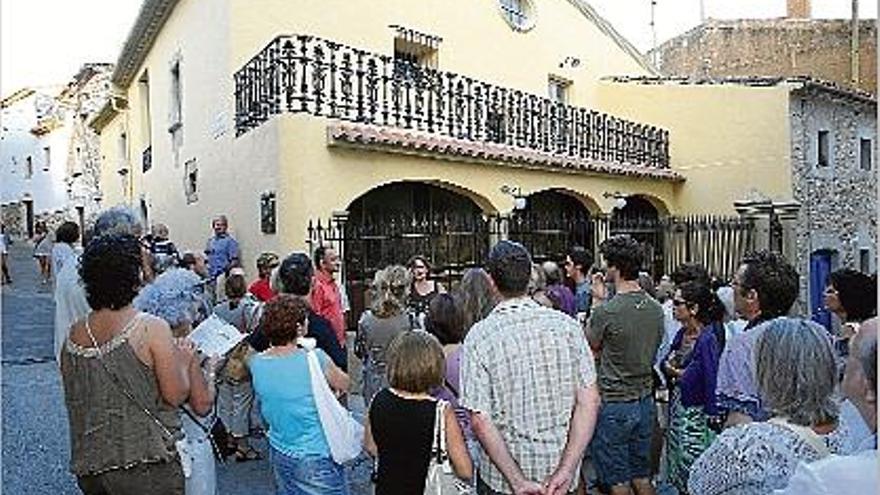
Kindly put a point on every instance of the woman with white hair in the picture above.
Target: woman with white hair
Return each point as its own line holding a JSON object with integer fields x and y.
{"x": 175, "y": 296}
{"x": 378, "y": 326}
{"x": 795, "y": 371}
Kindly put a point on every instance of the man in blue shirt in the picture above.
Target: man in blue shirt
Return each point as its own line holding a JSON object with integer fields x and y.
{"x": 221, "y": 250}
{"x": 577, "y": 268}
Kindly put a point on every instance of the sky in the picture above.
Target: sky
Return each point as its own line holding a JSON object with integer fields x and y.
{"x": 45, "y": 42}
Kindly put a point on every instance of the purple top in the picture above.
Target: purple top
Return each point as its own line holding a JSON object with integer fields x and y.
{"x": 562, "y": 297}
{"x": 452, "y": 388}
{"x": 697, "y": 384}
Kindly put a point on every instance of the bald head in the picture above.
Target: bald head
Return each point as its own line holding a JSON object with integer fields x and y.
{"x": 864, "y": 346}
{"x": 860, "y": 375}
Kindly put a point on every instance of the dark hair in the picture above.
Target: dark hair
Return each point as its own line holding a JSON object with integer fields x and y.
{"x": 444, "y": 319}
{"x": 857, "y": 293}
{"x": 415, "y": 362}
{"x": 67, "y": 232}
{"x": 295, "y": 273}
{"x": 110, "y": 268}
{"x": 235, "y": 286}
{"x": 320, "y": 251}
{"x": 774, "y": 280}
{"x": 624, "y": 253}
{"x": 690, "y": 272}
{"x": 700, "y": 294}
{"x": 281, "y": 316}
{"x": 581, "y": 257}
{"x": 188, "y": 260}
{"x": 419, "y": 257}
{"x": 510, "y": 267}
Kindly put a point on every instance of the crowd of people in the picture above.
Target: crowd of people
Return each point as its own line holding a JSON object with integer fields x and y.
{"x": 520, "y": 378}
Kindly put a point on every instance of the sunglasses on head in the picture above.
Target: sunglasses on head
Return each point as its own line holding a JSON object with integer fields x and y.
{"x": 679, "y": 302}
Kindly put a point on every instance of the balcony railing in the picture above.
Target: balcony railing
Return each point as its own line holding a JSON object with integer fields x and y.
{"x": 306, "y": 74}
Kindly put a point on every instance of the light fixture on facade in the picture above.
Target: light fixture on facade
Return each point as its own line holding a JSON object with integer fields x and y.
{"x": 619, "y": 199}
{"x": 570, "y": 63}
{"x": 519, "y": 200}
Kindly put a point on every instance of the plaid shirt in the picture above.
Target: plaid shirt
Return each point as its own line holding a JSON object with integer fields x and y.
{"x": 521, "y": 366}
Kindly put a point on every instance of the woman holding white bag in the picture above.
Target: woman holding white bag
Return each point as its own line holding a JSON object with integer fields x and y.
{"x": 300, "y": 454}
{"x": 415, "y": 436}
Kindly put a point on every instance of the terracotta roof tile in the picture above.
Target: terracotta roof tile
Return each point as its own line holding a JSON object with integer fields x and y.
{"x": 391, "y": 137}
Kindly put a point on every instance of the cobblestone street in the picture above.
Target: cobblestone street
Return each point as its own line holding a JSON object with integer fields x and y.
{"x": 35, "y": 437}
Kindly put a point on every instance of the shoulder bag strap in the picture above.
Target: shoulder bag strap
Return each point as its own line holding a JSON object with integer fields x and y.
{"x": 118, "y": 383}
{"x": 809, "y": 436}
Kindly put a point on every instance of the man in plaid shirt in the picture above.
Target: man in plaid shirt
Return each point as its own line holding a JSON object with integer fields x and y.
{"x": 529, "y": 380}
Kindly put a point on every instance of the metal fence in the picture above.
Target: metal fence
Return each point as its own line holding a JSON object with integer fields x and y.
{"x": 453, "y": 242}
{"x": 300, "y": 73}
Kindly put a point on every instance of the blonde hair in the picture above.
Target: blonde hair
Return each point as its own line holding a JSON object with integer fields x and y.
{"x": 415, "y": 362}
{"x": 389, "y": 291}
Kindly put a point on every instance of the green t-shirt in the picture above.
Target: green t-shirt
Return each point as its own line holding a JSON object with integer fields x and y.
{"x": 628, "y": 328}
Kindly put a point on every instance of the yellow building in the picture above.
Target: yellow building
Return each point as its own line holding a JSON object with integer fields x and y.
{"x": 439, "y": 126}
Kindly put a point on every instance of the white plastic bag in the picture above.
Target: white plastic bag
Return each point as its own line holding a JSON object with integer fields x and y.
{"x": 441, "y": 479}
{"x": 344, "y": 435}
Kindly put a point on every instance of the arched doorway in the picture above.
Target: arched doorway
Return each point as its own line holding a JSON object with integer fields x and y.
{"x": 551, "y": 223}
{"x": 640, "y": 219}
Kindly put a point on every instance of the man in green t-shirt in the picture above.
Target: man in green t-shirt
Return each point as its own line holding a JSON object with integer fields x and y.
{"x": 624, "y": 332}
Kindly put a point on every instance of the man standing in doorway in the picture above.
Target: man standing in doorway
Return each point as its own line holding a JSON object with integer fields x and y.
{"x": 533, "y": 406}
{"x": 626, "y": 331}
{"x": 222, "y": 252}
{"x": 326, "y": 298}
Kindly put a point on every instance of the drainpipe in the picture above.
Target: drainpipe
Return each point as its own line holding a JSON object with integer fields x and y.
{"x": 854, "y": 44}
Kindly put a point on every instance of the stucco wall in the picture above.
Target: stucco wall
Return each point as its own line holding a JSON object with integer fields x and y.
{"x": 316, "y": 180}
{"x": 725, "y": 139}
{"x": 477, "y": 41}
{"x": 838, "y": 202}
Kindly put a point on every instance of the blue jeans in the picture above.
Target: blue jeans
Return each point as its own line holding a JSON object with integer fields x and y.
{"x": 307, "y": 475}
{"x": 621, "y": 446}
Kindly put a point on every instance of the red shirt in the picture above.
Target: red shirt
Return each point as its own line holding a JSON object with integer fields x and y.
{"x": 327, "y": 302}
{"x": 261, "y": 289}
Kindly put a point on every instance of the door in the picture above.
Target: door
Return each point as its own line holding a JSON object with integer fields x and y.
{"x": 29, "y": 217}
{"x": 820, "y": 268}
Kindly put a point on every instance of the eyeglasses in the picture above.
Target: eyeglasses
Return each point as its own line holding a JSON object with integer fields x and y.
{"x": 679, "y": 302}
{"x": 418, "y": 266}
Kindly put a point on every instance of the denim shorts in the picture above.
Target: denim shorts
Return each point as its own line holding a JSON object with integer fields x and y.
{"x": 307, "y": 475}
{"x": 621, "y": 446}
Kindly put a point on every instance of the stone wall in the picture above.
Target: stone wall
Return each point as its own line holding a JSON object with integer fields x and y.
{"x": 839, "y": 201}
{"x": 776, "y": 47}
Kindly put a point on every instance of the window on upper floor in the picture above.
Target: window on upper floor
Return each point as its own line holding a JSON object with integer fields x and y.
{"x": 865, "y": 150}
{"x": 28, "y": 167}
{"x": 146, "y": 119}
{"x": 47, "y": 157}
{"x": 823, "y": 145}
{"x": 557, "y": 89}
{"x": 175, "y": 117}
{"x": 520, "y": 14}
{"x": 191, "y": 181}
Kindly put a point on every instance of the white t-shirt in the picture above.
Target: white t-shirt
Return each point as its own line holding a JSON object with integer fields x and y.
{"x": 4, "y": 246}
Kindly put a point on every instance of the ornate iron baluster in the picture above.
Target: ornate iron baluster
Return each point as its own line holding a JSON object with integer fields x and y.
{"x": 304, "y": 63}
{"x": 346, "y": 84}
{"x": 318, "y": 72}
{"x": 360, "y": 85}
{"x": 372, "y": 89}
{"x": 333, "y": 48}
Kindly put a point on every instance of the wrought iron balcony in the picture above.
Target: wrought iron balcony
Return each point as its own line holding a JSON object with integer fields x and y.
{"x": 306, "y": 74}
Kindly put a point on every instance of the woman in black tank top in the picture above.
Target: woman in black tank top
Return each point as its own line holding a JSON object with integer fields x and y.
{"x": 401, "y": 418}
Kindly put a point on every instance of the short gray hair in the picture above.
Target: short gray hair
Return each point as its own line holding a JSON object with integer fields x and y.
{"x": 174, "y": 296}
{"x": 118, "y": 220}
{"x": 796, "y": 371}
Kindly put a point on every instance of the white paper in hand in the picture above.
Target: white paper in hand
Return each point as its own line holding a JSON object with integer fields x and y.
{"x": 215, "y": 337}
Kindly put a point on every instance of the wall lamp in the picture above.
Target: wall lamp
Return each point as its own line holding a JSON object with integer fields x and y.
{"x": 519, "y": 200}
{"x": 619, "y": 199}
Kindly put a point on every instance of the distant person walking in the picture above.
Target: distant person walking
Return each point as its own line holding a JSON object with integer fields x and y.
{"x": 4, "y": 255}
{"x": 43, "y": 251}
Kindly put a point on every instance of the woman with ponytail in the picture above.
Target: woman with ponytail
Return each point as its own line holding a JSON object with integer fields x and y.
{"x": 386, "y": 318}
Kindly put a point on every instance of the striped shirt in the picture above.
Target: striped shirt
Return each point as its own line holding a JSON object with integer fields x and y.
{"x": 522, "y": 366}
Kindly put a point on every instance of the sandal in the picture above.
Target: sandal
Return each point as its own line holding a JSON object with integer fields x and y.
{"x": 244, "y": 454}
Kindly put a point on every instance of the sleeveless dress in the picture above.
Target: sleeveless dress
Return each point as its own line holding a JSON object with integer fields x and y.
{"x": 109, "y": 432}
